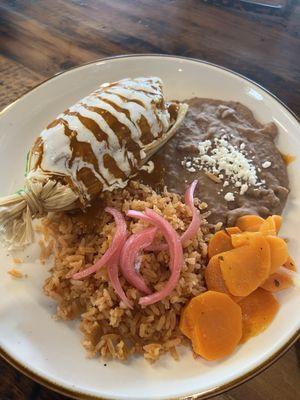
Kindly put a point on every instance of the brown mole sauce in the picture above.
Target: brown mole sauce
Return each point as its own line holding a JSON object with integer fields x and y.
{"x": 205, "y": 120}
{"x": 91, "y": 215}
{"x": 84, "y": 151}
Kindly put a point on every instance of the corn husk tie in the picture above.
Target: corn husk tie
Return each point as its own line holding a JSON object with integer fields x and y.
{"x": 39, "y": 196}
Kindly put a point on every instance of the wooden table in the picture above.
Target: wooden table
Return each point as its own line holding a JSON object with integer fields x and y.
{"x": 39, "y": 38}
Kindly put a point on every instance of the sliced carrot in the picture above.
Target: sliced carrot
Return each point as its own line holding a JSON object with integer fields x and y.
{"x": 241, "y": 239}
{"x": 250, "y": 223}
{"x": 278, "y": 247}
{"x": 277, "y": 282}
{"x": 277, "y": 221}
{"x": 290, "y": 264}
{"x": 268, "y": 227}
{"x": 214, "y": 279}
{"x": 217, "y": 324}
{"x": 245, "y": 268}
{"x": 213, "y": 276}
{"x": 186, "y": 324}
{"x": 258, "y": 311}
{"x": 218, "y": 243}
{"x": 233, "y": 230}
{"x": 279, "y": 252}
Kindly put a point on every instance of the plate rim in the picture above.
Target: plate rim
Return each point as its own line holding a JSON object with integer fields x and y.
{"x": 39, "y": 378}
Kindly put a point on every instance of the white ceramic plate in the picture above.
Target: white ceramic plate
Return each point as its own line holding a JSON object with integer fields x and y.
{"x": 50, "y": 351}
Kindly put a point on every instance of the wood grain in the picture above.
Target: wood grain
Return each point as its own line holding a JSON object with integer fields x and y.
{"x": 12, "y": 72}
{"x": 48, "y": 36}
{"x": 39, "y": 38}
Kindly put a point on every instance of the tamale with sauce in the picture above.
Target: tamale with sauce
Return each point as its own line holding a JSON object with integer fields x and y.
{"x": 93, "y": 146}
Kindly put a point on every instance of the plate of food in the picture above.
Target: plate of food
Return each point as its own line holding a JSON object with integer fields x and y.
{"x": 149, "y": 230}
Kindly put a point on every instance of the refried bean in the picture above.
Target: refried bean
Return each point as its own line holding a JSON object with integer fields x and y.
{"x": 209, "y": 119}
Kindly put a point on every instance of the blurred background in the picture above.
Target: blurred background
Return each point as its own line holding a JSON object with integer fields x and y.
{"x": 39, "y": 38}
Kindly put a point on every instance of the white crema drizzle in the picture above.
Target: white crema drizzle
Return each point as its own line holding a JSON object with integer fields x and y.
{"x": 140, "y": 97}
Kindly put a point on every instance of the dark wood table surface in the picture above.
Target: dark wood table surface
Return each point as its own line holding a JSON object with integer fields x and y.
{"x": 39, "y": 38}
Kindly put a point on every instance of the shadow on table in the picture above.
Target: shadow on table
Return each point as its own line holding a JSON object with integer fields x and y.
{"x": 297, "y": 347}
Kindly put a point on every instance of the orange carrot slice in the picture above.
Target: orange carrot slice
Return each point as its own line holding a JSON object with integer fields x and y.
{"x": 218, "y": 243}
{"x": 258, "y": 311}
{"x": 268, "y": 227}
{"x": 277, "y": 282}
{"x": 233, "y": 230}
{"x": 217, "y": 324}
{"x": 290, "y": 264}
{"x": 279, "y": 252}
{"x": 214, "y": 279}
{"x": 278, "y": 247}
{"x": 277, "y": 221}
{"x": 186, "y": 324}
{"x": 250, "y": 223}
{"x": 213, "y": 276}
{"x": 242, "y": 239}
{"x": 245, "y": 268}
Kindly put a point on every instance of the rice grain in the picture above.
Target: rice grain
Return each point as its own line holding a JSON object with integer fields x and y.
{"x": 109, "y": 329}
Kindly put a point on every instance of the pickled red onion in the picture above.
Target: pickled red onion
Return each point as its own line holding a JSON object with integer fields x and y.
{"x": 133, "y": 246}
{"x": 196, "y": 219}
{"x": 194, "y": 225}
{"x": 176, "y": 257}
{"x": 111, "y": 257}
{"x": 139, "y": 215}
{"x": 113, "y": 273}
{"x": 116, "y": 245}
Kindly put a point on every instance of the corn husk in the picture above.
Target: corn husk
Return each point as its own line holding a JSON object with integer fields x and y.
{"x": 54, "y": 186}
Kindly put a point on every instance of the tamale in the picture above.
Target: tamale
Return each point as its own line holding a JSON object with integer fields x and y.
{"x": 95, "y": 145}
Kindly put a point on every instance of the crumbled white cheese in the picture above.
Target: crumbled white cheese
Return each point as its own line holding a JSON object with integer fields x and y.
{"x": 266, "y": 164}
{"x": 229, "y": 196}
{"x": 203, "y": 147}
{"x": 226, "y": 161}
{"x": 243, "y": 188}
